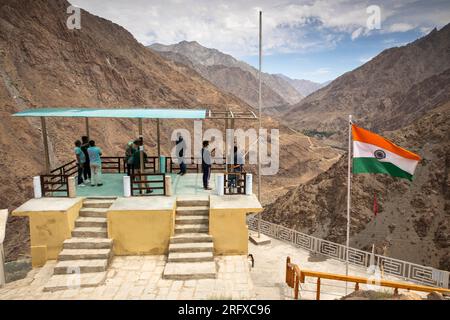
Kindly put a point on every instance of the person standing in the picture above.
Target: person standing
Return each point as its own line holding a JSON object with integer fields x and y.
{"x": 87, "y": 166}
{"x": 95, "y": 153}
{"x": 81, "y": 159}
{"x": 237, "y": 167}
{"x": 206, "y": 165}
{"x": 137, "y": 165}
{"x": 129, "y": 158}
{"x": 180, "y": 148}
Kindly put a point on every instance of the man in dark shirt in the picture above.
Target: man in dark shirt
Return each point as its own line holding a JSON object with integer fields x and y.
{"x": 137, "y": 164}
{"x": 180, "y": 147}
{"x": 206, "y": 165}
{"x": 87, "y": 163}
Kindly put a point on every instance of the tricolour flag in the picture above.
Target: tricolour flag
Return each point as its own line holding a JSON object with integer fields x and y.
{"x": 375, "y": 154}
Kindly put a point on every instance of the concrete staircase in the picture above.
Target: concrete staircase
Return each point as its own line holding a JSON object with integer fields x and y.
{"x": 85, "y": 257}
{"x": 191, "y": 249}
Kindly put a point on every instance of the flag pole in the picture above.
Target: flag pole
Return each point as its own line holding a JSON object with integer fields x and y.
{"x": 259, "y": 129}
{"x": 348, "y": 195}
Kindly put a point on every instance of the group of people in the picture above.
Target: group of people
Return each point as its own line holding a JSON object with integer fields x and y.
{"x": 237, "y": 165}
{"x": 89, "y": 162}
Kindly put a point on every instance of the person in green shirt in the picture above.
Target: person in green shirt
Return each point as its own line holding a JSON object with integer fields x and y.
{"x": 95, "y": 159}
{"x": 81, "y": 160}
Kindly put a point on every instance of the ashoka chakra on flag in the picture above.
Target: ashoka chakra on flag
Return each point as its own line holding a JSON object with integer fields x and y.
{"x": 375, "y": 154}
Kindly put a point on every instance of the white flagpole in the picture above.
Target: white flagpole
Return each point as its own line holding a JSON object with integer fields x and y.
{"x": 259, "y": 129}
{"x": 349, "y": 181}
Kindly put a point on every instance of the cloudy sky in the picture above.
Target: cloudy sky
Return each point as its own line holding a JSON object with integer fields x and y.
{"x": 304, "y": 39}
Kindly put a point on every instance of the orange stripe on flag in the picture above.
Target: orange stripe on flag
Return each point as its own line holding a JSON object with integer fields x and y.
{"x": 363, "y": 135}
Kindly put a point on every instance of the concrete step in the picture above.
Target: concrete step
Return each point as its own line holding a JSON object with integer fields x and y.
{"x": 97, "y": 203}
{"x": 84, "y": 254}
{"x": 91, "y": 222}
{"x": 90, "y": 232}
{"x": 191, "y": 247}
{"x": 193, "y": 211}
{"x": 192, "y": 220}
{"x": 190, "y": 257}
{"x": 189, "y": 270}
{"x": 88, "y": 243}
{"x": 69, "y": 281}
{"x": 193, "y": 202}
{"x": 110, "y": 198}
{"x": 190, "y": 228}
{"x": 191, "y": 238}
{"x": 81, "y": 266}
{"x": 93, "y": 212}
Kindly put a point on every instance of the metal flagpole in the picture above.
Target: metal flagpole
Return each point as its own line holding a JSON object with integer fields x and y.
{"x": 348, "y": 194}
{"x": 259, "y": 129}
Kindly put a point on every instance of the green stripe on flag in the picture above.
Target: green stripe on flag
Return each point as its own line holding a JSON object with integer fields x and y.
{"x": 373, "y": 165}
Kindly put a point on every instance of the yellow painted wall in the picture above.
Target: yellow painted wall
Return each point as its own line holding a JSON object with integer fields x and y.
{"x": 48, "y": 230}
{"x": 228, "y": 227}
{"x": 141, "y": 232}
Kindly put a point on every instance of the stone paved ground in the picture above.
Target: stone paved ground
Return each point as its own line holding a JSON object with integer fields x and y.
{"x": 269, "y": 273}
{"x": 139, "y": 277}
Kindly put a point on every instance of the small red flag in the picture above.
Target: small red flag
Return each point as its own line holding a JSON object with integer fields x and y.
{"x": 375, "y": 204}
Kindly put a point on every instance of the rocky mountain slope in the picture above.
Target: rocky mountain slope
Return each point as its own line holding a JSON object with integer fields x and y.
{"x": 304, "y": 87}
{"x": 230, "y": 74}
{"x": 413, "y": 221}
{"x": 382, "y": 93}
{"x": 43, "y": 63}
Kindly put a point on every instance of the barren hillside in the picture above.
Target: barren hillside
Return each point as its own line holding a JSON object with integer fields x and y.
{"x": 43, "y": 63}
{"x": 382, "y": 93}
{"x": 414, "y": 217}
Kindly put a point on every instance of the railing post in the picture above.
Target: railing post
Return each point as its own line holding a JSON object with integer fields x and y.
{"x": 3, "y": 219}
{"x": 288, "y": 261}
{"x": 167, "y": 185}
{"x": 296, "y": 285}
{"x": 71, "y": 189}
{"x": 318, "y": 289}
{"x": 248, "y": 183}
{"x": 220, "y": 180}
{"x": 126, "y": 186}
{"x": 37, "y": 186}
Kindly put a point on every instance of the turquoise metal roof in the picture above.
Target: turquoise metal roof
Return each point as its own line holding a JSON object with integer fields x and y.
{"x": 114, "y": 113}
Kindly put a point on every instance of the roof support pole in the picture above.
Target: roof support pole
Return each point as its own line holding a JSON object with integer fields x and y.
{"x": 141, "y": 149}
{"x": 140, "y": 127}
{"x": 158, "y": 137}
{"x": 45, "y": 140}
{"x": 87, "y": 127}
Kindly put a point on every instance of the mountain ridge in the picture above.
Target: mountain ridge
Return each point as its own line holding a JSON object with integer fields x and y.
{"x": 277, "y": 89}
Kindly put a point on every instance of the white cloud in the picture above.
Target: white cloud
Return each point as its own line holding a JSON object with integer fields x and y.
{"x": 400, "y": 27}
{"x": 288, "y": 25}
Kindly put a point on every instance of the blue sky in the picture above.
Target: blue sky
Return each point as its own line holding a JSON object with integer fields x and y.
{"x": 327, "y": 64}
{"x": 316, "y": 40}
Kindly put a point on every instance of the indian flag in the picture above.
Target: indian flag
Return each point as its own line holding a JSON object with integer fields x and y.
{"x": 375, "y": 154}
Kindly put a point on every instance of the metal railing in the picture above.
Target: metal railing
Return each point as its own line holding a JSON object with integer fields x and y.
{"x": 143, "y": 183}
{"x": 295, "y": 275}
{"x": 195, "y": 165}
{"x": 234, "y": 183}
{"x": 395, "y": 267}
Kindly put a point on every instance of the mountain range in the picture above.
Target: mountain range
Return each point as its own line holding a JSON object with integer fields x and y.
{"x": 393, "y": 89}
{"x": 45, "y": 64}
{"x": 237, "y": 77}
{"x": 404, "y": 95}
